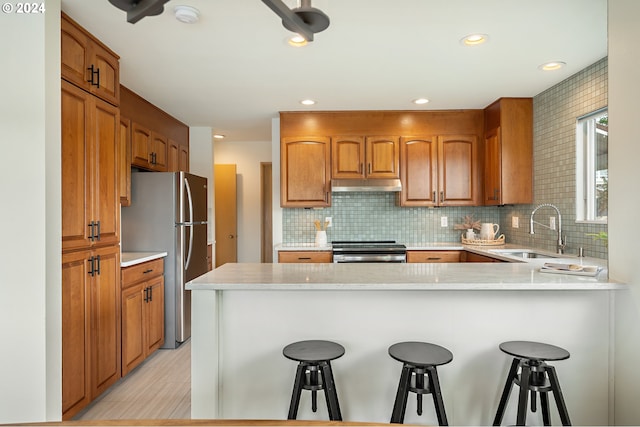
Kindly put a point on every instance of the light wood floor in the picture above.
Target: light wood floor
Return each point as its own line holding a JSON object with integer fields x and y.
{"x": 160, "y": 388}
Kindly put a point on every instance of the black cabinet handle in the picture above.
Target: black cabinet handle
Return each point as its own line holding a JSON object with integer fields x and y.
{"x": 90, "y": 225}
{"x": 97, "y": 223}
{"x": 147, "y": 271}
{"x": 94, "y": 72}
{"x": 150, "y": 293}
{"x": 91, "y": 267}
{"x": 303, "y": 258}
{"x": 146, "y": 294}
{"x": 97, "y": 269}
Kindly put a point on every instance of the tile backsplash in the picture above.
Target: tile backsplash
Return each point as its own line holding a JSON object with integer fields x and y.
{"x": 375, "y": 216}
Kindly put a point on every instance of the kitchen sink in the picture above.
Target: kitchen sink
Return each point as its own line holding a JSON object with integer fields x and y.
{"x": 522, "y": 253}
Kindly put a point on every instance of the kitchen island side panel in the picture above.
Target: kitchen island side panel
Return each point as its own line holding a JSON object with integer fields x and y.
{"x": 238, "y": 341}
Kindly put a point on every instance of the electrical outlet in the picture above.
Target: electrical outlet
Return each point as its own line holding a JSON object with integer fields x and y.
{"x": 329, "y": 221}
{"x": 552, "y": 222}
{"x": 443, "y": 221}
{"x": 515, "y": 222}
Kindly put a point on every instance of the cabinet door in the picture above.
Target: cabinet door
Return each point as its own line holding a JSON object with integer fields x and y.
{"x": 347, "y": 157}
{"x": 382, "y": 155}
{"x": 184, "y": 157}
{"x": 140, "y": 145}
{"x": 457, "y": 180}
{"x": 133, "y": 344}
{"x": 124, "y": 164}
{"x": 106, "y": 184}
{"x": 75, "y": 333}
{"x": 75, "y": 55}
{"x": 154, "y": 314}
{"x": 104, "y": 296}
{"x": 419, "y": 171}
{"x": 492, "y": 168}
{"x": 173, "y": 158}
{"x": 159, "y": 148}
{"x": 76, "y": 106}
{"x": 304, "y": 171}
{"x": 106, "y": 83}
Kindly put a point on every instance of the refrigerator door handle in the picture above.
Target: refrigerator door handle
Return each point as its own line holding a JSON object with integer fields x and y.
{"x": 188, "y": 261}
{"x": 188, "y": 188}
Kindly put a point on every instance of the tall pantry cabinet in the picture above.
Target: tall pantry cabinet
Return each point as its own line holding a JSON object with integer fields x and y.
{"x": 90, "y": 218}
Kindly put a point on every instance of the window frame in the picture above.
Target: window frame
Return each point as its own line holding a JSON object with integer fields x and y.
{"x": 586, "y": 158}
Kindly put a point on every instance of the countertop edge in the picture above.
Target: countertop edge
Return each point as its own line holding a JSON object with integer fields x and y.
{"x": 128, "y": 259}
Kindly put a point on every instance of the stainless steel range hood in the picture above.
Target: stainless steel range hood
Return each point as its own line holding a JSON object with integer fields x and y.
{"x": 370, "y": 185}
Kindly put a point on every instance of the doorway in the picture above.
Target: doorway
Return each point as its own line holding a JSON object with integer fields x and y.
{"x": 226, "y": 214}
{"x": 266, "y": 226}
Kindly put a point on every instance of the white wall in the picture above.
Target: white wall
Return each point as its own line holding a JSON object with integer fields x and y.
{"x": 624, "y": 202}
{"x": 247, "y": 156}
{"x": 30, "y": 261}
{"x": 201, "y": 163}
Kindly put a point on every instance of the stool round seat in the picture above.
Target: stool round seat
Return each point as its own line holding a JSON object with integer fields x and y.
{"x": 420, "y": 353}
{"x": 313, "y": 351}
{"x": 534, "y": 350}
{"x": 314, "y": 374}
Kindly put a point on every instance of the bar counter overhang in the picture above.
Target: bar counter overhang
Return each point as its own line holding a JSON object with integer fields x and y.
{"x": 244, "y": 314}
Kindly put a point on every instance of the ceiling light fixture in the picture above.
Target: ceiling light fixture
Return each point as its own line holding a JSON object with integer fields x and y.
{"x": 474, "y": 39}
{"x": 186, "y": 14}
{"x": 297, "y": 41}
{"x": 307, "y": 102}
{"x": 420, "y": 101}
{"x": 138, "y": 9}
{"x": 552, "y": 66}
{"x": 218, "y": 136}
{"x": 304, "y": 20}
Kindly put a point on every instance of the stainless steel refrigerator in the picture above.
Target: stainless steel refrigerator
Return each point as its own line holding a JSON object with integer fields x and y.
{"x": 168, "y": 213}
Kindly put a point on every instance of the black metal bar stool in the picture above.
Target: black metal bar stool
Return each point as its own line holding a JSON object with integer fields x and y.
{"x": 536, "y": 377}
{"x": 314, "y": 373}
{"x": 419, "y": 360}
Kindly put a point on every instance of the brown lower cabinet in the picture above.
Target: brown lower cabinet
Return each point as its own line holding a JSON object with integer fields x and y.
{"x": 473, "y": 257}
{"x": 305, "y": 256}
{"x": 433, "y": 256}
{"x": 142, "y": 312}
{"x": 90, "y": 325}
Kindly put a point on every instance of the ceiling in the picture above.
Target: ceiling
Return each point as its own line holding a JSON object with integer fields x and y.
{"x": 233, "y": 70}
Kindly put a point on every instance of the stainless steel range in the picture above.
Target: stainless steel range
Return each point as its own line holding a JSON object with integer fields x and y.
{"x": 371, "y": 251}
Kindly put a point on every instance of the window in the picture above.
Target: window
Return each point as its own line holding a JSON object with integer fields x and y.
{"x": 592, "y": 168}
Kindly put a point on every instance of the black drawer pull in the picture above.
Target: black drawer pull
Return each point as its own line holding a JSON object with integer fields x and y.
{"x": 147, "y": 271}
{"x": 301, "y": 258}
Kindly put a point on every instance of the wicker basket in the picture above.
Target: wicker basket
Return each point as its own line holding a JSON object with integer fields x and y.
{"x": 480, "y": 242}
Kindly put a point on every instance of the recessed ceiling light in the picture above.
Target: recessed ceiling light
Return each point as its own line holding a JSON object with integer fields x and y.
{"x": 474, "y": 39}
{"x": 218, "y": 136}
{"x": 420, "y": 101}
{"x": 297, "y": 41}
{"x": 307, "y": 102}
{"x": 552, "y": 66}
{"x": 186, "y": 14}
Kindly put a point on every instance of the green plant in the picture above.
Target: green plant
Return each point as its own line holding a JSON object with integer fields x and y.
{"x": 602, "y": 236}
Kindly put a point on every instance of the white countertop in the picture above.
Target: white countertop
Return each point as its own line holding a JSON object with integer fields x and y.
{"x": 127, "y": 259}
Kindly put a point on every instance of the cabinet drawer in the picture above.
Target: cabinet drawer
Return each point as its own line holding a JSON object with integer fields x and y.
{"x": 144, "y": 271}
{"x": 304, "y": 256}
{"x": 433, "y": 256}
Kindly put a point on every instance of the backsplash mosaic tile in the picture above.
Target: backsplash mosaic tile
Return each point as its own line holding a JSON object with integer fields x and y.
{"x": 375, "y": 216}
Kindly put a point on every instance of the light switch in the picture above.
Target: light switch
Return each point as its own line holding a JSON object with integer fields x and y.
{"x": 329, "y": 221}
{"x": 443, "y": 221}
{"x": 515, "y": 222}
{"x": 552, "y": 222}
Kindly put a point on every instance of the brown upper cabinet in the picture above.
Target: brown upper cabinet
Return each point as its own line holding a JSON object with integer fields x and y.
{"x": 365, "y": 157}
{"x": 148, "y": 148}
{"x": 87, "y": 63}
{"x": 439, "y": 171}
{"x": 304, "y": 172}
{"x": 90, "y": 186}
{"x": 178, "y": 157}
{"x": 508, "y": 152}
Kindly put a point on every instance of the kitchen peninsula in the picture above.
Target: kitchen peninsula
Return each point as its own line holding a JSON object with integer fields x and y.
{"x": 244, "y": 314}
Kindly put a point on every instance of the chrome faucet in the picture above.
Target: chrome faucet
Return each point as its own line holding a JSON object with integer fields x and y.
{"x": 562, "y": 241}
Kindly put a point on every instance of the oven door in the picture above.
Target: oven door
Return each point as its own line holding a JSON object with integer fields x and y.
{"x": 354, "y": 257}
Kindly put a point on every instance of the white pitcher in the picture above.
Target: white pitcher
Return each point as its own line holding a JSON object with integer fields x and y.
{"x": 488, "y": 231}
